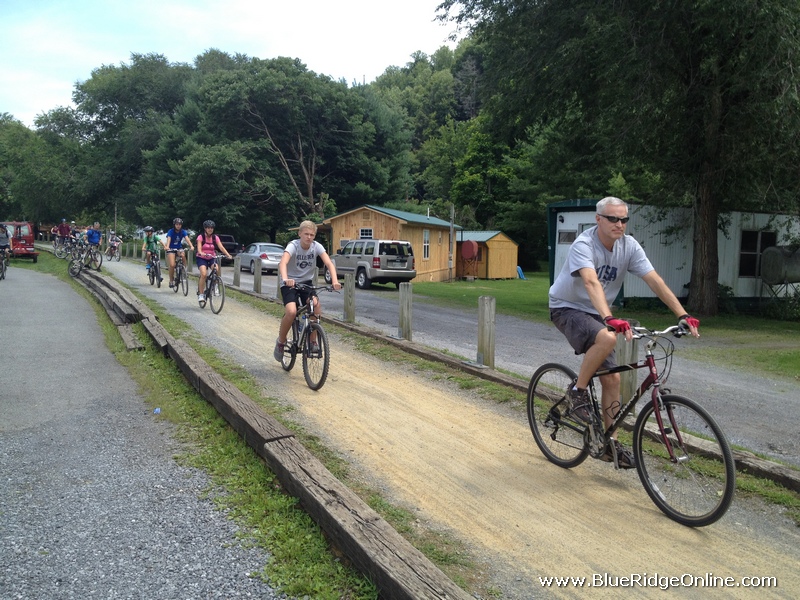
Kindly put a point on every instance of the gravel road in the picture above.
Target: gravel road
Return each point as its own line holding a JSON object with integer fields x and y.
{"x": 92, "y": 502}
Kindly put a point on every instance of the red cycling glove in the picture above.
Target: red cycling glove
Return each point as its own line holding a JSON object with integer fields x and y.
{"x": 688, "y": 320}
{"x": 618, "y": 325}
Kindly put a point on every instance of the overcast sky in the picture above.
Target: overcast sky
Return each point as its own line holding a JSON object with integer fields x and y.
{"x": 46, "y": 46}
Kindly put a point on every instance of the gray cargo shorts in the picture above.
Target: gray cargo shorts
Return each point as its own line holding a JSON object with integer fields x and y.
{"x": 581, "y": 329}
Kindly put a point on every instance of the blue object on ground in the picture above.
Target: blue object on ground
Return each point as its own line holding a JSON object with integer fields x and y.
{"x": 520, "y": 274}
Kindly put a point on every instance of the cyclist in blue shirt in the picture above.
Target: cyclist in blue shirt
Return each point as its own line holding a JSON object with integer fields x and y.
{"x": 93, "y": 234}
{"x": 175, "y": 238}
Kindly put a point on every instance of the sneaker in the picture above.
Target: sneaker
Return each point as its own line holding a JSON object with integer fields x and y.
{"x": 171, "y": 284}
{"x": 624, "y": 456}
{"x": 201, "y": 297}
{"x": 314, "y": 348}
{"x": 579, "y": 405}
{"x": 278, "y": 353}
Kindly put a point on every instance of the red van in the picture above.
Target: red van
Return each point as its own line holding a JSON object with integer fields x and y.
{"x": 21, "y": 233}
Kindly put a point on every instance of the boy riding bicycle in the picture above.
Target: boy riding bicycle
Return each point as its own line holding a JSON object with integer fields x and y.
{"x": 297, "y": 265}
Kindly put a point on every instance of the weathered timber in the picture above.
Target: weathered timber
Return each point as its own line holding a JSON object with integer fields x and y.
{"x": 158, "y": 334}
{"x": 244, "y": 415}
{"x": 129, "y": 337}
{"x": 399, "y": 570}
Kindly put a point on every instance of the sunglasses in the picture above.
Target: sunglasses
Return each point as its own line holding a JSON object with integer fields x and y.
{"x": 622, "y": 220}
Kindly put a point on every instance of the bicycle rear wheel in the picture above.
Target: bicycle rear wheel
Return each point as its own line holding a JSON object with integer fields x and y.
{"x": 290, "y": 348}
{"x": 697, "y": 487}
{"x": 217, "y": 295}
{"x": 316, "y": 360}
{"x": 560, "y": 439}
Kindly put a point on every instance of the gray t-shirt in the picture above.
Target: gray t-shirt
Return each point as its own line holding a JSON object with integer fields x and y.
{"x": 302, "y": 262}
{"x": 4, "y": 238}
{"x": 587, "y": 250}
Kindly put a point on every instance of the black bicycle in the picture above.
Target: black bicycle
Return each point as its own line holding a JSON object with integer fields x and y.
{"x": 154, "y": 272}
{"x": 215, "y": 288}
{"x": 181, "y": 277}
{"x": 308, "y": 338}
{"x": 682, "y": 456}
{"x": 89, "y": 258}
{"x": 3, "y": 263}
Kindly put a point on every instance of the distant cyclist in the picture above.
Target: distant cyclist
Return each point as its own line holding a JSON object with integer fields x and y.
{"x": 150, "y": 245}
{"x": 175, "y": 238}
{"x": 113, "y": 243}
{"x": 6, "y": 243}
{"x": 207, "y": 245}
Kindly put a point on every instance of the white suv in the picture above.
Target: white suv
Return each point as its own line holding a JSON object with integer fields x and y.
{"x": 375, "y": 261}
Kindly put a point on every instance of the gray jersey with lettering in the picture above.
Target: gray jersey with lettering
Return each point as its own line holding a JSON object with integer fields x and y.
{"x": 302, "y": 262}
{"x": 587, "y": 250}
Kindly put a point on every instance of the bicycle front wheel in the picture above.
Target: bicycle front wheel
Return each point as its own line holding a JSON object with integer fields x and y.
{"x": 695, "y": 485}
{"x": 184, "y": 279}
{"x": 560, "y": 439}
{"x": 117, "y": 254}
{"x": 290, "y": 348}
{"x": 75, "y": 267}
{"x": 157, "y": 268}
{"x": 217, "y": 295}
{"x": 2, "y": 268}
{"x": 316, "y": 359}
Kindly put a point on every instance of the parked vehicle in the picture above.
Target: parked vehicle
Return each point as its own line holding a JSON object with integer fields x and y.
{"x": 22, "y": 234}
{"x": 231, "y": 245}
{"x": 270, "y": 255}
{"x": 375, "y": 261}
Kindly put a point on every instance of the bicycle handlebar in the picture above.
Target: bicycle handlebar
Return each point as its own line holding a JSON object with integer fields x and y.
{"x": 313, "y": 288}
{"x": 676, "y": 330}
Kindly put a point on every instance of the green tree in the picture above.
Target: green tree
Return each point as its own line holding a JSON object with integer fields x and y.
{"x": 702, "y": 91}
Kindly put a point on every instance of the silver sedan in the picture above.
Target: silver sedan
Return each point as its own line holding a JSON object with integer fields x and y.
{"x": 270, "y": 255}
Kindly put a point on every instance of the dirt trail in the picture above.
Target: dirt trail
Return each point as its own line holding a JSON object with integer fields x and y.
{"x": 472, "y": 466}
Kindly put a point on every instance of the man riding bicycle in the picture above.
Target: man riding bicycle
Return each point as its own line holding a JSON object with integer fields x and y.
{"x": 587, "y": 285}
{"x": 175, "y": 238}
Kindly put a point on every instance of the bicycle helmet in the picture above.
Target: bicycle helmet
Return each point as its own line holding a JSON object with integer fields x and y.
{"x": 148, "y": 229}
{"x": 209, "y": 223}
{"x": 177, "y": 221}
{"x": 111, "y": 232}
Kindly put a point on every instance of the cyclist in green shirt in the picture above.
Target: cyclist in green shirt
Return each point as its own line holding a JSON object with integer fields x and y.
{"x": 150, "y": 244}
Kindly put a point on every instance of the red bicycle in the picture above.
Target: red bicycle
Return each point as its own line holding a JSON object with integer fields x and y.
{"x": 682, "y": 456}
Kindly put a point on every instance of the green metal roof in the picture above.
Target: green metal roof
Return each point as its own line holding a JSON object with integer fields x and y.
{"x": 408, "y": 217}
{"x": 477, "y": 236}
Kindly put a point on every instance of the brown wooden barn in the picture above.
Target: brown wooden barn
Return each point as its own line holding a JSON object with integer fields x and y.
{"x": 429, "y": 236}
{"x": 486, "y": 255}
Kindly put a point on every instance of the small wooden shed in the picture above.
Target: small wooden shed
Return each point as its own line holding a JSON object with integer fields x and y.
{"x": 486, "y": 255}
{"x": 429, "y": 236}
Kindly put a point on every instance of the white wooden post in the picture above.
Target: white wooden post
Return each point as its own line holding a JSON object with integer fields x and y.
{"x": 486, "y": 330}
{"x": 349, "y": 309}
{"x": 256, "y": 276}
{"x": 404, "y": 321}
